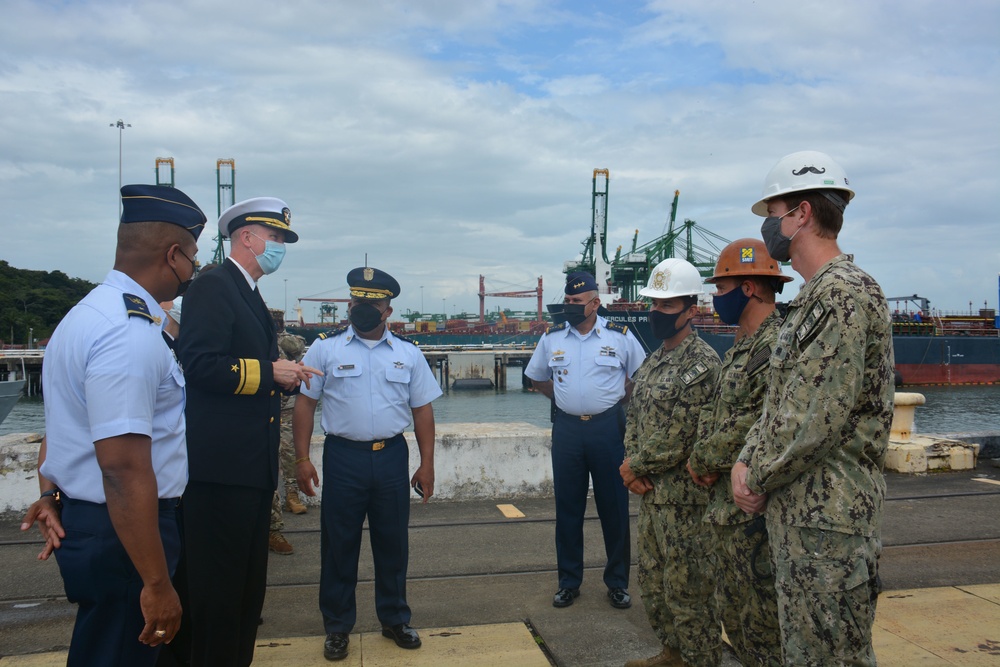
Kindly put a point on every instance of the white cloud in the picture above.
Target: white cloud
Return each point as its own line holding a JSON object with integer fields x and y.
{"x": 451, "y": 139}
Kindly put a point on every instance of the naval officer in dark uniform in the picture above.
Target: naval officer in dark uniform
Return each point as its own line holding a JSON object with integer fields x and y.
{"x": 585, "y": 365}
{"x": 373, "y": 384}
{"x": 114, "y": 461}
{"x": 228, "y": 348}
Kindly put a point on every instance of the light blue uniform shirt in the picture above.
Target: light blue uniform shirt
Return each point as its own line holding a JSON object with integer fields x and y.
{"x": 588, "y": 372}
{"x": 368, "y": 392}
{"x": 108, "y": 374}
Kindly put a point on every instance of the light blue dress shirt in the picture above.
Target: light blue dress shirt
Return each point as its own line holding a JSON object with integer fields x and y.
{"x": 368, "y": 393}
{"x": 588, "y": 372}
{"x": 108, "y": 374}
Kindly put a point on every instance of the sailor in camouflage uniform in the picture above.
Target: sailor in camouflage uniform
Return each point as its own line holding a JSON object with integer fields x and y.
{"x": 815, "y": 457}
{"x": 290, "y": 347}
{"x": 746, "y": 279}
{"x": 671, "y": 387}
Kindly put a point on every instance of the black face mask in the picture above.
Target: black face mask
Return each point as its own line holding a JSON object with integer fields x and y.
{"x": 664, "y": 326}
{"x": 778, "y": 245}
{"x": 365, "y": 317}
{"x": 574, "y": 313}
{"x": 182, "y": 285}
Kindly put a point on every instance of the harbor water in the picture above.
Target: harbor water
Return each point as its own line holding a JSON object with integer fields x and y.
{"x": 953, "y": 409}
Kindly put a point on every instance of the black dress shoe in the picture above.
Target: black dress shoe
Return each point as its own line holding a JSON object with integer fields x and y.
{"x": 403, "y": 635}
{"x": 335, "y": 646}
{"x": 564, "y": 597}
{"x": 619, "y": 598}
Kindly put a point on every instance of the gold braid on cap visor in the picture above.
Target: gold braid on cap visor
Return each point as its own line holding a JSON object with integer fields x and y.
{"x": 274, "y": 222}
{"x": 370, "y": 293}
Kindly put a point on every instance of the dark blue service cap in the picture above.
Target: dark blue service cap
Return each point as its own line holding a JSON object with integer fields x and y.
{"x": 367, "y": 282}
{"x": 161, "y": 203}
{"x": 580, "y": 282}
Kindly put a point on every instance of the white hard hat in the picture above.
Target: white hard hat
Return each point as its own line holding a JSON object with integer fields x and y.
{"x": 805, "y": 170}
{"x": 671, "y": 278}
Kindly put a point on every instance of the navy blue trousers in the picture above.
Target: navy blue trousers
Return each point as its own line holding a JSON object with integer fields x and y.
{"x": 581, "y": 451}
{"x": 98, "y": 575}
{"x": 359, "y": 483}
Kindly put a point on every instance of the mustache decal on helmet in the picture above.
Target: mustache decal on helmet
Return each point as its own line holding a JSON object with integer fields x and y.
{"x": 808, "y": 170}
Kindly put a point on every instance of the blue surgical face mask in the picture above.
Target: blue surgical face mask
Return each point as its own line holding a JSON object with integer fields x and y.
{"x": 730, "y": 305}
{"x": 270, "y": 259}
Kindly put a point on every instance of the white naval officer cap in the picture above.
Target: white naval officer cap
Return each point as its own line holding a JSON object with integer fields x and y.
{"x": 266, "y": 211}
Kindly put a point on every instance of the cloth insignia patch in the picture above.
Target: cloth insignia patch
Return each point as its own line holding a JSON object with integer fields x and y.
{"x": 696, "y": 372}
{"x": 812, "y": 319}
{"x": 746, "y": 255}
{"x": 758, "y": 360}
{"x": 136, "y": 307}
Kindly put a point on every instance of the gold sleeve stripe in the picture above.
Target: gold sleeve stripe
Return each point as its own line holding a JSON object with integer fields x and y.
{"x": 249, "y": 377}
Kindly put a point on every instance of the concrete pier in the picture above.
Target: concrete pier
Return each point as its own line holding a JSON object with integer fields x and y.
{"x": 474, "y": 368}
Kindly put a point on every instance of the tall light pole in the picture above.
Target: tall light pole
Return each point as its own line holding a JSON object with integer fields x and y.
{"x": 121, "y": 125}
{"x": 286, "y": 297}
{"x": 421, "y": 299}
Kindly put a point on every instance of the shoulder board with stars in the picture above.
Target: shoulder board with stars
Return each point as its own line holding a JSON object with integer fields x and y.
{"x": 696, "y": 372}
{"x": 331, "y": 333}
{"x": 136, "y": 307}
{"x": 557, "y": 327}
{"x": 614, "y": 326}
{"x": 405, "y": 339}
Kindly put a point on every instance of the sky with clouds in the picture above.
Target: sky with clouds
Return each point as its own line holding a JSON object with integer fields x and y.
{"x": 448, "y": 138}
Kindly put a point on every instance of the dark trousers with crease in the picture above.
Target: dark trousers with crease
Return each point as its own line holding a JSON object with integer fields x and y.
{"x": 357, "y": 483}
{"x": 99, "y": 576}
{"x": 225, "y": 546}
{"x": 584, "y": 451}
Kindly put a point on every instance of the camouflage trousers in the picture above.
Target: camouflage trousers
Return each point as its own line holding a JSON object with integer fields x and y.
{"x": 675, "y": 580}
{"x": 827, "y": 589}
{"x": 748, "y": 605}
{"x": 286, "y": 460}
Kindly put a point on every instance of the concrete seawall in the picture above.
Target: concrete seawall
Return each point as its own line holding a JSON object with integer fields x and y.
{"x": 472, "y": 461}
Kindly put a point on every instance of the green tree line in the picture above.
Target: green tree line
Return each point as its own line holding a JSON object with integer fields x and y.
{"x": 33, "y": 302}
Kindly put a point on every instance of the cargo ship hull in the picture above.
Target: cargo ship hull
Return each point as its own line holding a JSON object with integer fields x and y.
{"x": 920, "y": 360}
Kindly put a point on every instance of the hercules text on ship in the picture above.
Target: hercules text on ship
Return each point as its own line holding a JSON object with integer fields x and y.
{"x": 930, "y": 347}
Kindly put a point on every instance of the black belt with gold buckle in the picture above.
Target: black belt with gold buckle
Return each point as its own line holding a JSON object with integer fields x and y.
{"x": 367, "y": 445}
